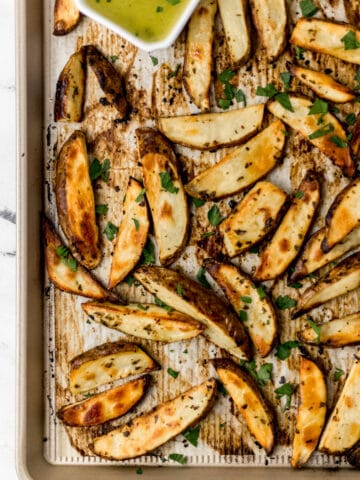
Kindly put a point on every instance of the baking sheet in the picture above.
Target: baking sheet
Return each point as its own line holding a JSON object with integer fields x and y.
{"x": 67, "y": 330}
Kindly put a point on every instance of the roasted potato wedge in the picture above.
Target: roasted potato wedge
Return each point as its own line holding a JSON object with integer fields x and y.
{"x": 106, "y": 363}
{"x": 342, "y": 430}
{"x": 353, "y": 457}
{"x": 66, "y": 16}
{"x": 104, "y": 406}
{"x": 307, "y": 125}
{"x": 313, "y": 257}
{"x": 342, "y": 279}
{"x": 254, "y": 217}
{"x": 150, "y": 430}
{"x": 323, "y": 85}
{"x": 249, "y": 401}
{"x": 144, "y": 321}
{"x": 199, "y": 54}
{"x": 235, "y": 20}
{"x": 132, "y": 234}
{"x": 109, "y": 79}
{"x": 64, "y": 271}
{"x": 242, "y": 167}
{"x": 336, "y": 333}
{"x": 75, "y": 201}
{"x": 311, "y": 413}
{"x": 325, "y": 37}
{"x": 165, "y": 193}
{"x": 355, "y": 139}
{"x": 342, "y": 216}
{"x": 70, "y": 89}
{"x": 270, "y": 20}
{"x": 256, "y": 309}
{"x": 208, "y": 131}
{"x": 222, "y": 326}
{"x": 290, "y": 235}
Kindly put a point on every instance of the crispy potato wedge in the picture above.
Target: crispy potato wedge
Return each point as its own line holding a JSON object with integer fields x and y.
{"x": 342, "y": 430}
{"x": 243, "y": 295}
{"x": 109, "y": 79}
{"x": 355, "y": 139}
{"x": 199, "y": 54}
{"x": 242, "y": 167}
{"x": 342, "y": 279}
{"x": 323, "y": 85}
{"x": 165, "y": 193}
{"x": 70, "y": 89}
{"x": 254, "y": 217}
{"x": 208, "y": 131}
{"x": 313, "y": 257}
{"x": 104, "y": 406}
{"x": 311, "y": 413}
{"x": 144, "y": 321}
{"x": 270, "y": 20}
{"x": 75, "y": 201}
{"x": 342, "y": 216}
{"x": 235, "y": 20}
{"x": 106, "y": 363}
{"x": 66, "y": 16}
{"x": 290, "y": 235}
{"x": 132, "y": 234}
{"x": 325, "y": 37}
{"x": 307, "y": 124}
{"x": 222, "y": 326}
{"x": 150, "y": 430}
{"x": 64, "y": 271}
{"x": 249, "y": 401}
{"x": 336, "y": 333}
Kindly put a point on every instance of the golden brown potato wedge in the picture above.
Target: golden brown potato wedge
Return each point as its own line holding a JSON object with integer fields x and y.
{"x": 323, "y": 85}
{"x": 307, "y": 125}
{"x": 165, "y": 193}
{"x": 150, "y": 430}
{"x": 66, "y": 273}
{"x": 251, "y": 304}
{"x": 336, "y": 333}
{"x": 254, "y": 217}
{"x": 235, "y": 20}
{"x": 249, "y": 401}
{"x": 75, "y": 201}
{"x": 66, "y": 16}
{"x": 179, "y": 292}
{"x": 311, "y": 413}
{"x": 109, "y": 79}
{"x": 132, "y": 234}
{"x": 342, "y": 216}
{"x": 208, "y": 131}
{"x": 106, "y": 363}
{"x": 342, "y": 279}
{"x": 145, "y": 321}
{"x": 342, "y": 430}
{"x": 270, "y": 19}
{"x": 70, "y": 89}
{"x": 104, "y": 406}
{"x": 199, "y": 54}
{"x": 326, "y": 37}
{"x": 313, "y": 257}
{"x": 290, "y": 235}
{"x": 242, "y": 167}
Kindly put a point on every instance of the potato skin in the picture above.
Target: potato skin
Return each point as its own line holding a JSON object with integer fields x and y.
{"x": 66, "y": 17}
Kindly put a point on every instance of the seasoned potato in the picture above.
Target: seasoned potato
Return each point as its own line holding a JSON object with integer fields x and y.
{"x": 151, "y": 430}
{"x": 104, "y": 406}
{"x": 242, "y": 167}
{"x": 106, "y": 363}
{"x": 75, "y": 201}
{"x": 144, "y": 321}
{"x": 336, "y": 333}
{"x": 235, "y": 19}
{"x": 355, "y": 139}
{"x": 66, "y": 16}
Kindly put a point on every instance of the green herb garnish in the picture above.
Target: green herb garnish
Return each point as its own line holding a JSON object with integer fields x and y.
{"x": 98, "y": 169}
{"x": 111, "y": 231}
{"x": 172, "y": 373}
{"x": 177, "y": 457}
{"x": 350, "y": 41}
{"x": 198, "y": 202}
{"x": 284, "y": 100}
{"x": 101, "y": 209}
{"x": 339, "y": 142}
{"x": 315, "y": 327}
{"x": 246, "y": 299}
{"x": 283, "y": 302}
{"x": 318, "y": 107}
{"x": 180, "y": 289}
{"x": 214, "y": 216}
{"x": 201, "y": 277}
{"x": 167, "y": 183}
{"x": 283, "y": 350}
{"x": 286, "y": 391}
{"x": 148, "y": 253}
{"x": 192, "y": 435}
{"x": 338, "y": 373}
{"x": 308, "y": 8}
{"x": 328, "y": 128}
{"x": 136, "y": 223}
{"x": 268, "y": 91}
{"x": 175, "y": 72}
{"x": 286, "y": 79}
{"x": 243, "y": 315}
{"x": 163, "y": 305}
{"x": 140, "y": 197}
{"x": 350, "y": 119}
{"x": 154, "y": 60}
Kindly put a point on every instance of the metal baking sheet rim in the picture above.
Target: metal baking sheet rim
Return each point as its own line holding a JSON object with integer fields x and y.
{"x": 30, "y": 461}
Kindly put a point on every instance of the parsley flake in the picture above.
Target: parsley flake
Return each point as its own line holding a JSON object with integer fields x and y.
{"x": 154, "y": 60}
{"x": 167, "y": 183}
{"x": 201, "y": 278}
{"x": 101, "y": 209}
{"x": 308, "y": 8}
{"x": 286, "y": 79}
{"x": 139, "y": 471}
{"x": 268, "y": 91}
{"x": 180, "y": 290}
{"x": 246, "y": 299}
{"x": 192, "y": 435}
{"x": 163, "y": 305}
{"x": 315, "y": 327}
{"x": 140, "y": 197}
{"x": 286, "y": 391}
{"x": 350, "y": 119}
{"x": 283, "y": 350}
{"x": 111, "y": 231}
{"x": 284, "y": 100}
{"x": 136, "y": 223}
{"x": 175, "y": 72}
{"x": 177, "y": 457}
{"x": 98, "y": 169}
{"x": 243, "y": 315}
{"x": 172, "y": 373}
{"x": 299, "y": 194}
{"x": 283, "y": 302}
{"x": 198, "y": 202}
{"x": 350, "y": 41}
{"x": 328, "y": 128}
{"x": 261, "y": 292}
{"x": 214, "y": 216}
{"x": 338, "y": 373}
{"x": 148, "y": 253}
{"x": 318, "y": 107}
{"x": 339, "y": 142}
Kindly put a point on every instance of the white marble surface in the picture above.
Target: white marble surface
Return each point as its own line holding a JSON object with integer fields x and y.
{"x": 7, "y": 239}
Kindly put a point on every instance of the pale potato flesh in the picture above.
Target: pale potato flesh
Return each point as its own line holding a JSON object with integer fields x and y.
{"x": 336, "y": 333}
{"x": 235, "y": 20}
{"x": 66, "y": 16}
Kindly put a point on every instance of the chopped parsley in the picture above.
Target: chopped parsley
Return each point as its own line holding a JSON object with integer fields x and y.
{"x": 154, "y": 60}
{"x": 167, "y": 183}
{"x": 163, "y": 305}
{"x": 349, "y": 40}
{"x": 230, "y": 91}
{"x": 339, "y": 142}
{"x": 243, "y": 315}
{"x": 268, "y": 91}
{"x": 283, "y": 302}
{"x": 198, "y": 202}
{"x": 246, "y": 299}
{"x": 283, "y": 350}
{"x": 139, "y": 471}
{"x": 180, "y": 290}
{"x": 338, "y": 373}
{"x": 315, "y": 327}
{"x": 201, "y": 277}
{"x": 328, "y": 128}
{"x": 308, "y": 8}
{"x": 136, "y": 223}
{"x": 113, "y": 58}
{"x": 140, "y": 197}
{"x": 177, "y": 457}
{"x": 286, "y": 391}
{"x": 318, "y": 107}
{"x": 286, "y": 79}
{"x": 66, "y": 257}
{"x": 111, "y": 231}
{"x": 299, "y": 52}
{"x": 192, "y": 435}
{"x": 148, "y": 253}
{"x": 284, "y": 100}
{"x": 102, "y": 209}
{"x": 142, "y": 307}
{"x": 98, "y": 169}
{"x": 175, "y": 72}
{"x": 261, "y": 292}
{"x": 350, "y": 119}
{"x": 296, "y": 285}
{"x": 263, "y": 375}
{"x": 299, "y": 194}
{"x": 207, "y": 234}
{"x": 214, "y": 216}
{"x": 172, "y": 373}
{"x": 130, "y": 280}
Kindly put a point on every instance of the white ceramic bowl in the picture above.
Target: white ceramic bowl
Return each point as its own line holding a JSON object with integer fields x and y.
{"x": 87, "y": 10}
